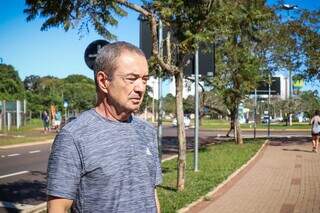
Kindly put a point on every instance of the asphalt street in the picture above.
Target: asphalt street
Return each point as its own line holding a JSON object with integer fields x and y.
{"x": 23, "y": 169}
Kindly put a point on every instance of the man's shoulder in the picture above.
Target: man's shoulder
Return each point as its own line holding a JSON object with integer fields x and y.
{"x": 143, "y": 123}
{"x": 79, "y": 123}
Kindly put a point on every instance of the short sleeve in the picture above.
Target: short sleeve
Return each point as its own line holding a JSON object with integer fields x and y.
{"x": 158, "y": 173}
{"x": 64, "y": 167}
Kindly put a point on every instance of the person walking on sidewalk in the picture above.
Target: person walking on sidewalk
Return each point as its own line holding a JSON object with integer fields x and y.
{"x": 106, "y": 160}
{"x": 315, "y": 130}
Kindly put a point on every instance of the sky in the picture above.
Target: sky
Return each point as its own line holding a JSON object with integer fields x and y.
{"x": 52, "y": 52}
{"x": 56, "y": 52}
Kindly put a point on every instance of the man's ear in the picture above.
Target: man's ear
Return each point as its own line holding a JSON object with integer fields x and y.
{"x": 103, "y": 81}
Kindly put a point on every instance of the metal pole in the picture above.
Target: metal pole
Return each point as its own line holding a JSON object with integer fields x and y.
{"x": 9, "y": 120}
{"x": 1, "y": 113}
{"x": 4, "y": 111}
{"x": 196, "y": 112}
{"x": 24, "y": 112}
{"x": 153, "y": 113}
{"x": 269, "y": 93}
{"x": 290, "y": 97}
{"x": 160, "y": 94}
{"x": 255, "y": 114}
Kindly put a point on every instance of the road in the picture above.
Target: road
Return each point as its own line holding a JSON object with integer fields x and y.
{"x": 23, "y": 169}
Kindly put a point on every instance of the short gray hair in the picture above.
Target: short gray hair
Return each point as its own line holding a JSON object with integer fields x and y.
{"x": 106, "y": 59}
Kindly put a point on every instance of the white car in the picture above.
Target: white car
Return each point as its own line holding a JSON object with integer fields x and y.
{"x": 186, "y": 121}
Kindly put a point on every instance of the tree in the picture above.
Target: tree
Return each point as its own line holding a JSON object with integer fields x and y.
{"x": 238, "y": 65}
{"x": 42, "y": 92}
{"x": 11, "y": 87}
{"x": 292, "y": 45}
{"x": 147, "y": 100}
{"x": 297, "y": 43}
{"x": 187, "y": 22}
{"x": 169, "y": 104}
{"x": 31, "y": 82}
{"x": 76, "y": 78}
{"x": 309, "y": 102}
{"x": 188, "y": 104}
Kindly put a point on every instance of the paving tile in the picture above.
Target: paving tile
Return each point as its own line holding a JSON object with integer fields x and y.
{"x": 286, "y": 179}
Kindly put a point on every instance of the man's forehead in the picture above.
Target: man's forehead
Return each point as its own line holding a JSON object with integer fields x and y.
{"x": 131, "y": 53}
{"x": 133, "y": 62}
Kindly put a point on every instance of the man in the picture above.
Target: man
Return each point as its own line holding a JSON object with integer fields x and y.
{"x": 107, "y": 160}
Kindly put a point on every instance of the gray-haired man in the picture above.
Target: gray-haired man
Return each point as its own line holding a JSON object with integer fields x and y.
{"x": 107, "y": 160}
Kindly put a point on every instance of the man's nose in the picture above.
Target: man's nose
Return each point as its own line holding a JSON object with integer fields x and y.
{"x": 140, "y": 86}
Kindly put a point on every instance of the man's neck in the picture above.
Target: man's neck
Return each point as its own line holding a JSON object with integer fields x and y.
{"x": 109, "y": 112}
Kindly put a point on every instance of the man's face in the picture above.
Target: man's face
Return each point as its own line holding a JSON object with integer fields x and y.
{"x": 128, "y": 82}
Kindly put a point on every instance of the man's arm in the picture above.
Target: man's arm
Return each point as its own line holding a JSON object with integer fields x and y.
{"x": 157, "y": 201}
{"x": 58, "y": 205}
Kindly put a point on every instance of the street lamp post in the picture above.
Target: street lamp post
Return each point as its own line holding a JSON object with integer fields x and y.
{"x": 289, "y": 7}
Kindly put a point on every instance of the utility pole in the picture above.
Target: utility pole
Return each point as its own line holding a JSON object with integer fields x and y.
{"x": 255, "y": 114}
{"x": 160, "y": 93}
{"x": 196, "y": 112}
{"x": 269, "y": 94}
{"x": 289, "y": 7}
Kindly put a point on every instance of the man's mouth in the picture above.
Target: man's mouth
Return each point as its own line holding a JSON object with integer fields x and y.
{"x": 136, "y": 100}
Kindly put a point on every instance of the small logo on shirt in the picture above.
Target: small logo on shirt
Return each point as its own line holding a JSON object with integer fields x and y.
{"x": 148, "y": 151}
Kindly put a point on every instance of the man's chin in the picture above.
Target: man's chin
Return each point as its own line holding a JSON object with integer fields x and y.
{"x": 134, "y": 108}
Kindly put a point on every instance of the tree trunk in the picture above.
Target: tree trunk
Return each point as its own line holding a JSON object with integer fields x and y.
{"x": 237, "y": 132}
{"x": 181, "y": 132}
{"x": 237, "y": 129}
{"x": 235, "y": 126}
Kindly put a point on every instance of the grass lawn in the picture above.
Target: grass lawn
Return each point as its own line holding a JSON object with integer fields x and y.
{"x": 30, "y": 133}
{"x": 216, "y": 163}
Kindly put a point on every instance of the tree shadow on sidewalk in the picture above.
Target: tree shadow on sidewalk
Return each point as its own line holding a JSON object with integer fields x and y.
{"x": 289, "y": 141}
{"x": 31, "y": 191}
{"x": 297, "y": 150}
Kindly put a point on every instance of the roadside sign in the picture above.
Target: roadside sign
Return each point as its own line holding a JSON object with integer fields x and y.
{"x": 92, "y": 50}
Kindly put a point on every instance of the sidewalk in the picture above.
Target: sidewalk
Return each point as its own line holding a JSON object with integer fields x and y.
{"x": 284, "y": 179}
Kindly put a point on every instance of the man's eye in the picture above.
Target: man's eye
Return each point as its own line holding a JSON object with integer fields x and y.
{"x": 131, "y": 79}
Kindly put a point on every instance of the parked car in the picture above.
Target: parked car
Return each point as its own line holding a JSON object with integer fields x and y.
{"x": 186, "y": 121}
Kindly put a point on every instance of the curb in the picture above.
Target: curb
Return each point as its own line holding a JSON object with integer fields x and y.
{"x": 221, "y": 185}
{"x": 26, "y": 144}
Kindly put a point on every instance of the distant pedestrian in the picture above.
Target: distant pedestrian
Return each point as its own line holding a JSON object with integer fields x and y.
{"x": 57, "y": 121}
{"x": 315, "y": 130}
{"x": 45, "y": 121}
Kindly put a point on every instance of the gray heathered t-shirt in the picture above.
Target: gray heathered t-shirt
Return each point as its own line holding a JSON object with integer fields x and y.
{"x": 105, "y": 166}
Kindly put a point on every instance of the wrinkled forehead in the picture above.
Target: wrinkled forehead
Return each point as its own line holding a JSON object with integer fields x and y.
{"x": 130, "y": 62}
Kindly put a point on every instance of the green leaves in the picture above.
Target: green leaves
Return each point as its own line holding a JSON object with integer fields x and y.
{"x": 11, "y": 87}
{"x": 78, "y": 13}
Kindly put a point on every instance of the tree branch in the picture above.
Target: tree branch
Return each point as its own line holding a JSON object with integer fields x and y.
{"x": 135, "y": 7}
{"x": 193, "y": 80}
{"x": 219, "y": 111}
{"x": 171, "y": 69}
